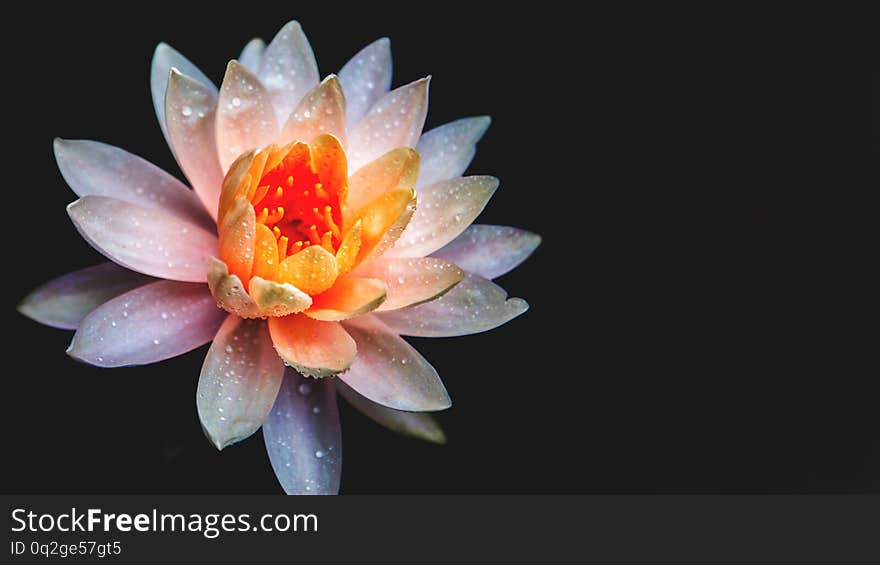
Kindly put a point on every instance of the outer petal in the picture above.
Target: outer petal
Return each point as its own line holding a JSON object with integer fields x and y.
{"x": 165, "y": 58}
{"x": 239, "y": 381}
{"x": 396, "y": 120}
{"x": 97, "y": 169}
{"x": 445, "y": 210}
{"x": 190, "y": 110}
{"x": 238, "y": 232}
{"x": 365, "y": 78}
{"x": 245, "y": 117}
{"x": 288, "y": 69}
{"x": 412, "y": 280}
{"x": 252, "y": 54}
{"x": 349, "y": 297}
{"x": 314, "y": 348}
{"x": 63, "y": 302}
{"x": 421, "y": 425}
{"x": 303, "y": 437}
{"x": 490, "y": 251}
{"x": 322, "y": 110}
{"x": 397, "y": 168}
{"x": 143, "y": 239}
{"x": 448, "y": 150}
{"x": 154, "y": 322}
{"x": 475, "y": 305}
{"x": 390, "y": 371}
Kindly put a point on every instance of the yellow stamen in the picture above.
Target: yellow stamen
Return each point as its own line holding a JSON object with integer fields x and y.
{"x": 282, "y": 248}
{"x": 319, "y": 191}
{"x": 313, "y": 234}
{"x": 328, "y": 219}
{"x": 261, "y": 219}
{"x": 279, "y": 192}
{"x": 276, "y": 231}
{"x": 289, "y": 181}
{"x": 296, "y": 247}
{"x": 327, "y": 242}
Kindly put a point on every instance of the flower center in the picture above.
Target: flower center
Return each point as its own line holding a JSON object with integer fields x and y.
{"x": 291, "y": 201}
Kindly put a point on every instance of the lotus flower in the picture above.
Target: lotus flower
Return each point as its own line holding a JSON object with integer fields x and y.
{"x": 321, "y": 227}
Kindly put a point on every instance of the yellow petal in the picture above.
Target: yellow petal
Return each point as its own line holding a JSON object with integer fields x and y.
{"x": 329, "y": 163}
{"x": 312, "y": 270}
{"x": 346, "y": 255}
{"x": 265, "y": 253}
{"x": 383, "y": 213}
{"x": 349, "y": 297}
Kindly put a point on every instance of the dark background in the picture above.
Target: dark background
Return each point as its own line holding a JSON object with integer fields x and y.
{"x": 703, "y": 307}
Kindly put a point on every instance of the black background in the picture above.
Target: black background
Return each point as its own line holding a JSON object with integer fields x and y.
{"x": 703, "y": 311}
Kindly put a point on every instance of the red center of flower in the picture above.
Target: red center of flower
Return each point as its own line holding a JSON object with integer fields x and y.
{"x": 292, "y": 202}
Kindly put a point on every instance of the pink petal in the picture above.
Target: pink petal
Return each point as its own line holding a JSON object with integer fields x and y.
{"x": 448, "y": 150}
{"x": 165, "y": 58}
{"x": 154, "y": 322}
{"x": 390, "y": 372}
{"x": 411, "y": 280}
{"x": 303, "y": 436}
{"x": 420, "y": 425}
{"x": 365, "y": 78}
{"x": 190, "y": 109}
{"x": 490, "y": 251}
{"x": 63, "y": 302}
{"x": 444, "y": 210}
{"x": 97, "y": 169}
{"x": 396, "y": 120}
{"x": 322, "y": 110}
{"x": 474, "y": 305}
{"x": 144, "y": 239}
{"x": 245, "y": 117}
{"x": 252, "y": 54}
{"x": 239, "y": 381}
{"x": 288, "y": 69}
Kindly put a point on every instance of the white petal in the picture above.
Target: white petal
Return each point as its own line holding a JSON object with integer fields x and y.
{"x": 421, "y": 425}
{"x": 396, "y": 120}
{"x": 490, "y": 251}
{"x": 288, "y": 69}
{"x": 239, "y": 381}
{"x": 63, "y": 302}
{"x": 390, "y": 372}
{"x": 143, "y": 239}
{"x": 444, "y": 210}
{"x": 97, "y": 169}
{"x": 245, "y": 118}
{"x": 365, "y": 78}
{"x": 448, "y": 150}
{"x": 252, "y": 54}
{"x": 411, "y": 280}
{"x": 474, "y": 305}
{"x": 154, "y": 322}
{"x": 322, "y": 110}
{"x": 165, "y": 58}
{"x": 303, "y": 437}
{"x": 190, "y": 109}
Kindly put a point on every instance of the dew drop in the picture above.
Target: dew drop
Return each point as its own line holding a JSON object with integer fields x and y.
{"x": 155, "y": 342}
{"x": 305, "y": 389}
{"x": 186, "y": 111}
{"x": 316, "y": 410}
{"x": 319, "y": 454}
{"x": 236, "y": 101}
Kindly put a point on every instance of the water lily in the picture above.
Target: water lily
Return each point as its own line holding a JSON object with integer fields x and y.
{"x": 321, "y": 226}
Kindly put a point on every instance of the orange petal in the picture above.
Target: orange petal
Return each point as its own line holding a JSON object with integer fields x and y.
{"x": 237, "y": 235}
{"x": 329, "y": 163}
{"x": 312, "y": 347}
{"x": 312, "y": 270}
{"x": 232, "y": 181}
{"x": 382, "y": 214}
{"x": 265, "y": 253}
{"x": 349, "y": 297}
{"x": 346, "y": 255}
{"x": 398, "y": 168}
{"x": 296, "y": 154}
